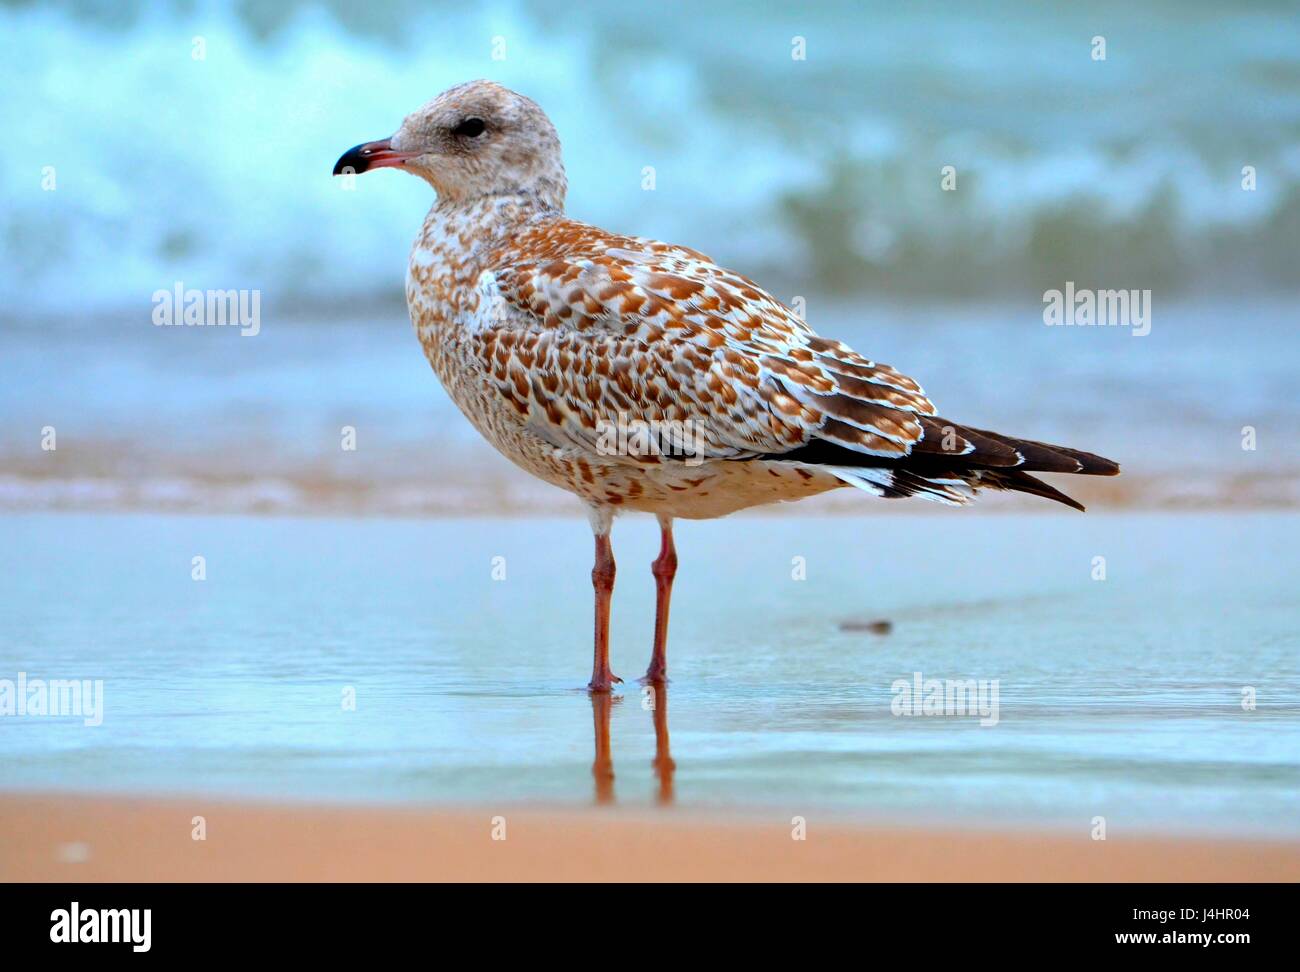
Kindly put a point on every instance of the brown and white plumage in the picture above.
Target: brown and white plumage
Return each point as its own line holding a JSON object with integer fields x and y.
{"x": 547, "y": 331}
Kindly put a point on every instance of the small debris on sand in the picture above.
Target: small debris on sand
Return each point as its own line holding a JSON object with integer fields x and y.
{"x": 879, "y": 626}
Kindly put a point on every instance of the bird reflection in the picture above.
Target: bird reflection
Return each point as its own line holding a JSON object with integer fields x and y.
{"x": 602, "y": 769}
{"x": 654, "y": 697}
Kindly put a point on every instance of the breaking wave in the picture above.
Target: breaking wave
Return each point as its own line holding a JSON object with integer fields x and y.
{"x": 818, "y": 173}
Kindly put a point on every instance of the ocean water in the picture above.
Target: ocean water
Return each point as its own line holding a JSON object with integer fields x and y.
{"x": 145, "y": 164}
{"x": 1119, "y": 697}
{"x": 205, "y": 420}
{"x": 823, "y": 173}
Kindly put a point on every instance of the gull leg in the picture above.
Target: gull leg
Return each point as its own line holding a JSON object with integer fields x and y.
{"x": 664, "y": 569}
{"x": 602, "y": 580}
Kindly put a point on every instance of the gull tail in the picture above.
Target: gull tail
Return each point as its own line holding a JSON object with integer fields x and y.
{"x": 951, "y": 463}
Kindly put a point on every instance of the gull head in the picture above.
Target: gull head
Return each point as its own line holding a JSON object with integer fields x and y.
{"x": 474, "y": 140}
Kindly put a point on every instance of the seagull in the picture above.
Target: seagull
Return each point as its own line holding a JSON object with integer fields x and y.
{"x": 641, "y": 375}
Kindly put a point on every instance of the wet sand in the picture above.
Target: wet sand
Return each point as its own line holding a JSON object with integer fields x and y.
{"x": 75, "y": 838}
{"x": 338, "y": 662}
{"x": 230, "y": 700}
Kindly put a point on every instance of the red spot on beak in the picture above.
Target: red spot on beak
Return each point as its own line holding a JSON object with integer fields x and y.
{"x": 371, "y": 155}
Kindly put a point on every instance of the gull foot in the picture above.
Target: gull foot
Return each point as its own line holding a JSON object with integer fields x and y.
{"x": 655, "y": 675}
{"x": 602, "y": 684}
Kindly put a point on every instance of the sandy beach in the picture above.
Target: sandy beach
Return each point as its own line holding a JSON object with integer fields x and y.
{"x": 61, "y": 838}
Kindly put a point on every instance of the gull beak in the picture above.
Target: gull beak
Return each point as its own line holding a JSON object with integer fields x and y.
{"x": 371, "y": 155}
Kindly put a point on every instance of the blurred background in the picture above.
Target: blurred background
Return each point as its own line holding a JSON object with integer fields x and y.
{"x": 193, "y": 142}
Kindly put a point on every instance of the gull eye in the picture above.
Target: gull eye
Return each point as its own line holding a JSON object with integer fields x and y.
{"x": 470, "y": 128}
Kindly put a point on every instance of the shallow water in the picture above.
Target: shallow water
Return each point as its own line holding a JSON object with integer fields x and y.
{"x": 1118, "y": 698}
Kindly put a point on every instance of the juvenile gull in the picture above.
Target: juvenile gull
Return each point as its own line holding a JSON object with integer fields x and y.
{"x": 641, "y": 375}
